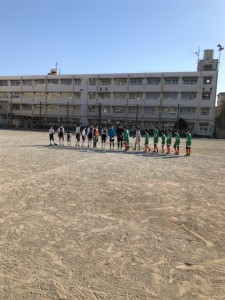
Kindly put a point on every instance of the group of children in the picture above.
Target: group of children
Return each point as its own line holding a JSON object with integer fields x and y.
{"x": 166, "y": 140}
{"x": 92, "y": 134}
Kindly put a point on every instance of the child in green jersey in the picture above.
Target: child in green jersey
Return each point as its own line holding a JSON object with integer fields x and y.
{"x": 126, "y": 138}
{"x": 177, "y": 143}
{"x": 163, "y": 136}
{"x": 156, "y": 139}
{"x": 188, "y": 143}
{"x": 147, "y": 148}
{"x": 168, "y": 140}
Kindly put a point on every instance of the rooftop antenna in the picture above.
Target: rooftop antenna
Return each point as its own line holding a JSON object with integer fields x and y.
{"x": 197, "y": 53}
{"x": 56, "y": 67}
{"x": 220, "y": 49}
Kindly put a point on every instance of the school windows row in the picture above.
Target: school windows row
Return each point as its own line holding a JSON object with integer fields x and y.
{"x": 109, "y": 81}
{"x": 206, "y": 95}
{"x": 113, "y": 109}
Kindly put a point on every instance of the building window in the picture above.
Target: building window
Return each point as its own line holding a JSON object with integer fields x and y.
{"x": 15, "y": 94}
{"x": 170, "y": 95}
{"x": 151, "y": 110}
{"x": 207, "y": 80}
{"x": 66, "y": 81}
{"x": 187, "y": 111}
{"x": 4, "y": 83}
{"x": 118, "y": 95}
{"x": 65, "y": 95}
{"x": 136, "y": 81}
{"x": 77, "y": 81}
{"x": 190, "y": 80}
{"x": 103, "y": 95}
{"x": 92, "y": 95}
{"x": 153, "y": 80}
{"x": 105, "y": 81}
{"x": 27, "y": 82}
{"x": 135, "y": 96}
{"x": 105, "y": 109}
{"x": 91, "y": 108}
{"x": 132, "y": 109}
{"x": 3, "y": 95}
{"x": 92, "y": 81}
{"x": 206, "y": 96}
{"x": 28, "y": 95}
{"x": 76, "y": 108}
{"x": 14, "y": 82}
{"x": 152, "y": 95}
{"x": 26, "y": 106}
{"x": 15, "y": 106}
{"x": 205, "y": 111}
{"x": 118, "y": 109}
{"x": 53, "y": 81}
{"x": 40, "y": 95}
{"x": 169, "y": 110}
{"x": 203, "y": 127}
{"x": 39, "y": 82}
{"x": 207, "y": 67}
{"x": 188, "y": 95}
{"x": 52, "y": 95}
{"x": 171, "y": 80}
{"x": 120, "y": 81}
{"x": 52, "y": 107}
{"x": 77, "y": 95}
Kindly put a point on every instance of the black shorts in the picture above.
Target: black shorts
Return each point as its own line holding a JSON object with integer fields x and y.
{"x": 51, "y": 136}
{"x": 119, "y": 138}
{"x": 60, "y": 135}
{"x": 111, "y": 139}
{"x": 103, "y": 138}
{"x": 90, "y": 136}
{"x": 78, "y": 137}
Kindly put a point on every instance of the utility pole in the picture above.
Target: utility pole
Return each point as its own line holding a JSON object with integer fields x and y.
{"x": 67, "y": 116}
{"x": 40, "y": 115}
{"x": 137, "y": 115}
{"x": 99, "y": 115}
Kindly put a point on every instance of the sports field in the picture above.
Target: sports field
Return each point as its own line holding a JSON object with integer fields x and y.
{"x": 100, "y": 224}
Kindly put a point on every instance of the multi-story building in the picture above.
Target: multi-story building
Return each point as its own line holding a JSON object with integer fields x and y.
{"x": 146, "y": 99}
{"x": 220, "y": 116}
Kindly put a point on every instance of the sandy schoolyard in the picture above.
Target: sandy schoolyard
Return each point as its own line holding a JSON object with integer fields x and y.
{"x": 97, "y": 224}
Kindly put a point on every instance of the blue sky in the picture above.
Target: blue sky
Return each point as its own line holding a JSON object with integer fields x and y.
{"x": 109, "y": 36}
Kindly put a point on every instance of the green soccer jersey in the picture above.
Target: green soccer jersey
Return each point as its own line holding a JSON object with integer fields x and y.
{"x": 168, "y": 138}
{"x": 126, "y": 136}
{"x": 156, "y": 136}
{"x": 188, "y": 139}
{"x": 163, "y": 138}
{"x": 177, "y": 139}
{"x": 146, "y": 138}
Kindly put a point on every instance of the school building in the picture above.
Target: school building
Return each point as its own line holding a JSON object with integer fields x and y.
{"x": 146, "y": 99}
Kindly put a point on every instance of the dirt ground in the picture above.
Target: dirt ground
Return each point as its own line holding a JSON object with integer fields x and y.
{"x": 100, "y": 224}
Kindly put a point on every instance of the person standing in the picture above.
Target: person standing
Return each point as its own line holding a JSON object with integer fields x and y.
{"x": 61, "y": 135}
{"x": 69, "y": 136}
{"x": 137, "y": 138}
{"x": 147, "y": 148}
{"x": 126, "y": 138}
{"x": 104, "y": 136}
{"x": 119, "y": 133}
{"x": 163, "y": 137}
{"x": 95, "y": 136}
{"x": 177, "y": 143}
{"x": 168, "y": 140}
{"x": 83, "y": 136}
{"x": 111, "y": 134}
{"x": 77, "y": 135}
{"x": 156, "y": 139}
{"x": 90, "y": 135}
{"x": 51, "y": 136}
{"x": 188, "y": 143}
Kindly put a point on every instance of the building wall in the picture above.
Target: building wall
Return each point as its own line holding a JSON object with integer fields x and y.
{"x": 145, "y": 99}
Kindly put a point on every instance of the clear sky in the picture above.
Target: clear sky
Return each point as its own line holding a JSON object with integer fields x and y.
{"x": 109, "y": 36}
